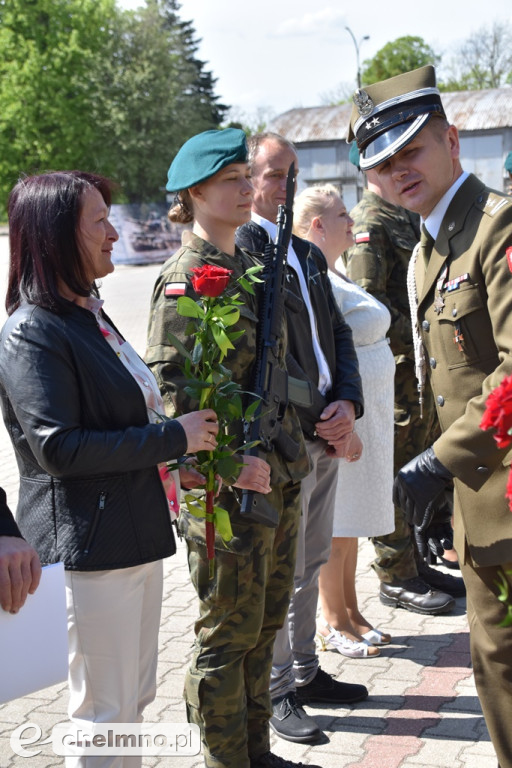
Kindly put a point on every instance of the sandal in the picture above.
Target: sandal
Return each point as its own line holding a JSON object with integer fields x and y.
{"x": 354, "y": 649}
{"x": 376, "y": 637}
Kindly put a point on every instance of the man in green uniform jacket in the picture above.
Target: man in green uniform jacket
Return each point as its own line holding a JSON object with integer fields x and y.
{"x": 385, "y": 236}
{"x": 460, "y": 285}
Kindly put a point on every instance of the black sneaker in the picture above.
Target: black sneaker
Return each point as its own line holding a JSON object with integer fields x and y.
{"x": 444, "y": 582}
{"x": 415, "y": 595}
{"x": 269, "y": 760}
{"x": 290, "y": 721}
{"x": 324, "y": 689}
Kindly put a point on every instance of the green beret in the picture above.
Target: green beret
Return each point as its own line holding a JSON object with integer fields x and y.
{"x": 205, "y": 154}
{"x": 386, "y": 116}
{"x": 508, "y": 162}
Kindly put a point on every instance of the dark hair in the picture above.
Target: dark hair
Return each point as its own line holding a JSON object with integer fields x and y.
{"x": 44, "y": 212}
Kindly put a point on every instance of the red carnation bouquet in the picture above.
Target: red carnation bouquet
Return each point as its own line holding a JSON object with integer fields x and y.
{"x": 210, "y": 384}
{"x": 498, "y": 416}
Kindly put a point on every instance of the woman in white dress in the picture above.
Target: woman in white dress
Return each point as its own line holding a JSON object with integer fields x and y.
{"x": 364, "y": 495}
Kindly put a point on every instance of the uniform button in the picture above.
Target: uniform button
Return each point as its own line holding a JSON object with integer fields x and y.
{"x": 440, "y": 400}
{"x": 433, "y": 362}
{"x": 454, "y": 312}
{"x": 482, "y": 470}
{"x": 425, "y": 325}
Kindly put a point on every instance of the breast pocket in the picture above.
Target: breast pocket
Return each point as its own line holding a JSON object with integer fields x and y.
{"x": 465, "y": 329}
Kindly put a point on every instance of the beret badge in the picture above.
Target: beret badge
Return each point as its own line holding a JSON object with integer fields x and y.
{"x": 363, "y": 102}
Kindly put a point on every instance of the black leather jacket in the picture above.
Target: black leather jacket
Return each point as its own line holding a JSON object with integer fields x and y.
{"x": 333, "y": 332}
{"x": 90, "y": 494}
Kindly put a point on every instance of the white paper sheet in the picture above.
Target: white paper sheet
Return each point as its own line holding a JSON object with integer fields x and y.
{"x": 34, "y": 642}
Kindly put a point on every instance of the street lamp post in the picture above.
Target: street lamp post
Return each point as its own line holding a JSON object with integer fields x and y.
{"x": 357, "y": 46}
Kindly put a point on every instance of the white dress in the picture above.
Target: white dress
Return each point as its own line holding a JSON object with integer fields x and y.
{"x": 364, "y": 505}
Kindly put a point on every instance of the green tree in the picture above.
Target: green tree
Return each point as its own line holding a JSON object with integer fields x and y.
{"x": 86, "y": 85}
{"x": 51, "y": 62}
{"x": 484, "y": 60}
{"x": 161, "y": 95}
{"x": 400, "y": 55}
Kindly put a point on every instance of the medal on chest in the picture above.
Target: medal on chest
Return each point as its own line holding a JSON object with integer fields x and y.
{"x": 439, "y": 304}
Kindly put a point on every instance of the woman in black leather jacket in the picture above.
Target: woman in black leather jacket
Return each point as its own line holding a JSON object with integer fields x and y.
{"x": 77, "y": 402}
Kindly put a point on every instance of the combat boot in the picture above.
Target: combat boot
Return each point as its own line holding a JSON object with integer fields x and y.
{"x": 415, "y": 595}
{"x": 444, "y": 582}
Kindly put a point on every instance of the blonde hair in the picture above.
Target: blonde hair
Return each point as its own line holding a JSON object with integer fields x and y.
{"x": 182, "y": 211}
{"x": 312, "y": 202}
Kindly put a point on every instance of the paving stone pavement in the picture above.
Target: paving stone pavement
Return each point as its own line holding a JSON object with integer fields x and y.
{"x": 422, "y": 712}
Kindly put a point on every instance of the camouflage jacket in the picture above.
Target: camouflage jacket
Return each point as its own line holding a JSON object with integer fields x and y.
{"x": 165, "y": 361}
{"x": 385, "y": 236}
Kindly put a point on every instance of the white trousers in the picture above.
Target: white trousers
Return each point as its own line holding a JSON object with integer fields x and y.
{"x": 113, "y": 623}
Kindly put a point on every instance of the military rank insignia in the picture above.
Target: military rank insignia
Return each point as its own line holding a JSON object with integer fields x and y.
{"x": 508, "y": 254}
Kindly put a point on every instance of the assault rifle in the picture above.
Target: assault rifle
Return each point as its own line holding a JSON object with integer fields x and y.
{"x": 270, "y": 381}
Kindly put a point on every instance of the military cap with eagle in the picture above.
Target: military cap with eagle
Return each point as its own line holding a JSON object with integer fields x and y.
{"x": 386, "y": 116}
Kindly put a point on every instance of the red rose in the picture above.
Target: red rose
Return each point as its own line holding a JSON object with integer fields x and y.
{"x": 209, "y": 280}
{"x": 498, "y": 413}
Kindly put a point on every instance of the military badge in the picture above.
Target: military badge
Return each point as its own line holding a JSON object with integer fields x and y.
{"x": 508, "y": 254}
{"x": 363, "y": 102}
{"x": 438, "y": 304}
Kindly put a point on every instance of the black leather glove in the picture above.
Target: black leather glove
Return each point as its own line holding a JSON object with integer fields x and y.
{"x": 438, "y": 535}
{"x": 419, "y": 488}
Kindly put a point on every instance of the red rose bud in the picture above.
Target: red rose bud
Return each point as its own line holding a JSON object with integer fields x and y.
{"x": 210, "y": 280}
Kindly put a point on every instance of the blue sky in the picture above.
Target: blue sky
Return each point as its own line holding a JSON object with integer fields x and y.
{"x": 279, "y": 54}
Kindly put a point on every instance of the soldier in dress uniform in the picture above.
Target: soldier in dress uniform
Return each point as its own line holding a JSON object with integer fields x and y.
{"x": 461, "y": 291}
{"x": 385, "y": 235}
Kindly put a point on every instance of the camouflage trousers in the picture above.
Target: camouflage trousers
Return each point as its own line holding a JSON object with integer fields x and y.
{"x": 241, "y": 609}
{"x": 396, "y": 552}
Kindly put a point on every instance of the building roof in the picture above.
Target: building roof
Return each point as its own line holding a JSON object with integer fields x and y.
{"x": 468, "y": 110}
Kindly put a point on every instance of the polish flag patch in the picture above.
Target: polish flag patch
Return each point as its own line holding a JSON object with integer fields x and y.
{"x": 508, "y": 254}
{"x": 175, "y": 289}
{"x": 362, "y": 237}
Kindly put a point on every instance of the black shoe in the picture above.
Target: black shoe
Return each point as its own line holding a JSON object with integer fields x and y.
{"x": 415, "y": 595}
{"x": 323, "y": 688}
{"x": 444, "y": 582}
{"x": 269, "y": 760}
{"x": 290, "y": 721}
